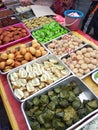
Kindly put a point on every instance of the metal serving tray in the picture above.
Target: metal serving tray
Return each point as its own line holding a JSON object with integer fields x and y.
{"x": 65, "y": 47}
{"x": 17, "y": 6}
{"x": 25, "y": 15}
{"x": 44, "y": 42}
{"x": 36, "y": 22}
{"x": 86, "y": 94}
{"x": 74, "y": 60}
{"x": 29, "y": 44}
{"x": 19, "y": 40}
{"x": 7, "y": 20}
{"x": 40, "y": 61}
{"x": 89, "y": 121}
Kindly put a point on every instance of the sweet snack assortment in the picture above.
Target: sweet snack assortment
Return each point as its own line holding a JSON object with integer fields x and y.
{"x": 33, "y": 77}
{"x": 21, "y": 55}
{"x": 12, "y": 33}
{"x": 54, "y": 59}
{"x": 37, "y": 22}
{"x": 9, "y": 20}
{"x": 65, "y": 45}
{"x": 6, "y": 12}
{"x": 61, "y": 106}
{"x": 82, "y": 61}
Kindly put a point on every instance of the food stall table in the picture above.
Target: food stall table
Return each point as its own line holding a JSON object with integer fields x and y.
{"x": 13, "y": 107}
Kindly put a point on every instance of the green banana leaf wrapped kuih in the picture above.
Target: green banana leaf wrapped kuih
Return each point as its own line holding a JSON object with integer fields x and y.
{"x": 59, "y": 108}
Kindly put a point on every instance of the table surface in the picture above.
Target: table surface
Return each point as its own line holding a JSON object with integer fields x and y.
{"x": 13, "y": 107}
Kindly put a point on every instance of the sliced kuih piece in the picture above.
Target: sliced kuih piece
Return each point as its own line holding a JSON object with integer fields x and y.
{"x": 58, "y": 124}
{"x": 63, "y": 103}
{"x": 35, "y": 125}
{"x": 64, "y": 94}
{"x": 71, "y": 96}
{"x": 40, "y": 119}
{"x": 69, "y": 113}
{"x": 18, "y": 93}
{"x": 57, "y": 90}
{"x": 48, "y": 125}
{"x": 51, "y": 105}
{"x": 76, "y": 104}
{"x": 77, "y": 91}
{"x": 37, "y": 113}
{"x": 36, "y": 101}
{"x": 82, "y": 112}
{"x": 44, "y": 99}
{"x": 29, "y": 104}
{"x": 48, "y": 115}
{"x": 93, "y": 104}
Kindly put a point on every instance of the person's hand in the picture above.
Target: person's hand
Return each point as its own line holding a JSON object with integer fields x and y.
{"x": 25, "y": 2}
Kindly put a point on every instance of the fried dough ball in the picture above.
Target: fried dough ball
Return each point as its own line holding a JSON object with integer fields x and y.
{"x": 81, "y": 71}
{"x": 86, "y": 60}
{"x": 75, "y": 70}
{"x": 80, "y": 62}
{"x": 83, "y": 50}
{"x": 87, "y": 55}
{"x": 79, "y": 52}
{"x": 91, "y": 66}
{"x": 94, "y": 61}
{"x": 87, "y": 71}
{"x": 71, "y": 66}
{"x": 93, "y": 54}
{"x": 84, "y": 66}
{"x": 79, "y": 74}
{"x": 89, "y": 49}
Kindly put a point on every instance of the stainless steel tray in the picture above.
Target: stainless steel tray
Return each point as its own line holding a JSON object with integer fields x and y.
{"x": 82, "y": 64}
{"x": 39, "y": 73}
{"x": 65, "y": 45}
{"x": 29, "y": 44}
{"x": 25, "y": 16}
{"x": 86, "y": 94}
{"x": 15, "y": 6}
{"x": 46, "y": 35}
{"x": 37, "y": 22}
{"x": 89, "y": 121}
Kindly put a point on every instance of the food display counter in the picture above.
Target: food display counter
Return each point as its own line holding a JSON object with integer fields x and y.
{"x": 13, "y": 106}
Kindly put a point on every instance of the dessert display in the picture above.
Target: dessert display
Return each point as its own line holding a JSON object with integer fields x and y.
{"x": 25, "y": 15}
{"x": 49, "y": 32}
{"x": 9, "y": 20}
{"x": 59, "y": 108}
{"x": 37, "y": 22}
{"x": 18, "y": 56}
{"x": 43, "y": 63}
{"x": 82, "y": 61}
{"x": 6, "y": 12}
{"x": 20, "y": 9}
{"x": 11, "y": 34}
{"x": 27, "y": 80}
{"x": 65, "y": 45}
